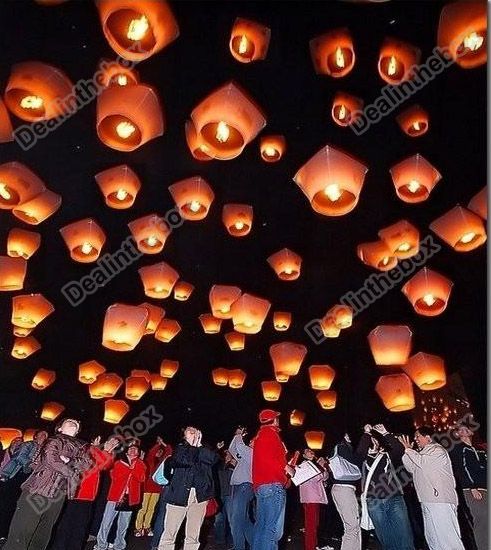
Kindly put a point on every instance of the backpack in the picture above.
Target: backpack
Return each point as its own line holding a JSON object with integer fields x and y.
{"x": 159, "y": 476}
{"x": 342, "y": 469}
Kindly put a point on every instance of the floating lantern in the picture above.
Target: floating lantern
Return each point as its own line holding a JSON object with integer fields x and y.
{"x": 332, "y": 181}
{"x": 18, "y": 184}
{"x": 287, "y": 357}
{"x": 272, "y": 148}
{"x": 24, "y": 347}
{"x": 329, "y": 327}
{"x": 479, "y": 203}
{"x": 402, "y": 238}
{"x": 124, "y": 326}
{"x": 346, "y": 108}
{"x": 396, "y": 392}
{"x": 43, "y": 378}
{"x": 22, "y": 243}
{"x": 119, "y": 185}
{"x": 28, "y": 310}
{"x": 29, "y": 434}
{"x": 89, "y": 371}
{"x": 220, "y": 376}
{"x": 106, "y": 385}
{"x": 396, "y": 60}
{"x": 237, "y": 219}
{"x": 182, "y": 291}
{"x": 168, "y": 368}
{"x": 282, "y": 320}
{"x": 52, "y": 410}
{"x": 6, "y": 130}
{"x": 333, "y": 53}
{"x": 236, "y": 378}
{"x": 428, "y": 292}
{"x": 155, "y": 315}
{"x": 114, "y": 73}
{"x": 461, "y": 229}
{"x": 286, "y": 264}
{"x": 143, "y": 373}
{"x": 136, "y": 387}
{"x": 414, "y": 179}
{"x": 7, "y": 435}
{"x": 158, "y": 279}
{"x": 136, "y": 30}
{"x": 249, "y": 40}
{"x": 167, "y": 330}
{"x": 193, "y": 196}
{"x": 84, "y": 240}
{"x": 210, "y": 324}
{"x": 426, "y": 371}
{"x": 150, "y": 233}
{"x": 12, "y": 273}
{"x": 390, "y": 344}
{"x": 327, "y": 399}
{"x": 38, "y": 209}
{"x": 414, "y": 121}
{"x": 297, "y": 418}
{"x": 343, "y": 316}
{"x": 235, "y": 340}
{"x": 271, "y": 390}
{"x": 315, "y": 439}
{"x": 195, "y": 142}
{"x": 249, "y": 313}
{"x": 158, "y": 382}
{"x": 221, "y": 298}
{"x": 377, "y": 254}
{"x": 281, "y": 377}
{"x": 321, "y": 377}
{"x": 38, "y": 91}
{"x": 115, "y": 410}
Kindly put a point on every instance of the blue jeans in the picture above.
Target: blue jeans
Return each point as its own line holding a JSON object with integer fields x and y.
{"x": 391, "y": 522}
{"x": 110, "y": 514}
{"x": 240, "y": 521}
{"x": 270, "y": 516}
{"x": 222, "y": 521}
{"x": 158, "y": 522}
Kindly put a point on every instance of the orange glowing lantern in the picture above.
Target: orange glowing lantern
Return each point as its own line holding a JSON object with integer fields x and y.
{"x": 22, "y": 243}
{"x": 377, "y": 254}
{"x": 329, "y": 327}
{"x": 286, "y": 264}
{"x": 249, "y": 40}
{"x": 158, "y": 382}
{"x": 115, "y": 410}
{"x": 105, "y": 385}
{"x": 168, "y": 368}
{"x": 396, "y": 59}
{"x": 396, "y": 392}
{"x": 38, "y": 91}
{"x": 24, "y": 347}
{"x": 28, "y": 310}
{"x": 315, "y": 439}
{"x": 124, "y": 326}
{"x": 479, "y": 203}
{"x": 321, "y": 377}
{"x": 271, "y": 390}
{"x": 89, "y": 371}
{"x": 18, "y": 185}
{"x": 272, "y": 148}
{"x": 327, "y": 399}
{"x": 343, "y": 316}
{"x": 158, "y": 279}
{"x": 182, "y": 291}
{"x": 428, "y": 292}
{"x": 461, "y": 229}
{"x": 137, "y": 29}
{"x": 210, "y": 324}
{"x": 235, "y": 340}
{"x": 297, "y": 418}
{"x": 7, "y": 435}
{"x": 236, "y": 378}
{"x": 129, "y": 116}
{"x": 84, "y": 240}
{"x": 193, "y": 196}
{"x": 136, "y": 387}
{"x": 119, "y": 185}
{"x": 390, "y": 344}
{"x": 282, "y": 320}
{"x": 462, "y": 33}
{"x": 249, "y": 313}
{"x": 426, "y": 371}
{"x": 346, "y": 108}
{"x": 237, "y": 219}
{"x": 281, "y": 377}
{"x": 43, "y": 378}
{"x": 155, "y": 315}
{"x": 167, "y": 330}
{"x": 220, "y": 376}
{"x": 143, "y": 373}
{"x": 51, "y": 410}
{"x": 195, "y": 142}
{"x": 402, "y": 238}
{"x": 333, "y": 53}
{"x": 38, "y": 209}
{"x": 150, "y": 233}
{"x": 12, "y": 273}
{"x": 414, "y": 178}
{"x": 332, "y": 181}
{"x": 6, "y": 130}
{"x": 287, "y": 357}
{"x": 226, "y": 121}
{"x": 114, "y": 73}
{"x": 414, "y": 121}
{"x": 221, "y": 299}
{"x": 29, "y": 434}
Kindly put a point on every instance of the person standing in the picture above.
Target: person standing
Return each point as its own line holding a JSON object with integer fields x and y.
{"x": 224, "y": 471}
{"x": 158, "y": 523}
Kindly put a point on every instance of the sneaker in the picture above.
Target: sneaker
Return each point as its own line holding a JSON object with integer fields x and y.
{"x": 149, "y": 533}
{"x": 139, "y": 532}
{"x": 326, "y": 547}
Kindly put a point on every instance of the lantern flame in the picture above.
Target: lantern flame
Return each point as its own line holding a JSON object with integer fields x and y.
{"x": 121, "y": 194}
{"x": 239, "y": 226}
{"x": 137, "y": 28}
{"x": 194, "y": 206}
{"x": 270, "y": 151}
{"x": 4, "y": 192}
{"x": 340, "y": 62}
{"x": 243, "y": 44}
{"x": 429, "y": 299}
{"x": 467, "y": 237}
{"x": 223, "y": 132}
{"x": 416, "y": 126}
{"x": 413, "y": 186}
{"x": 392, "y": 68}
{"x": 86, "y": 248}
{"x": 404, "y": 247}
{"x": 125, "y": 129}
{"x": 152, "y": 240}
{"x": 342, "y": 112}
{"x": 333, "y": 192}
{"x": 122, "y": 80}
{"x": 473, "y": 41}
{"x": 31, "y": 102}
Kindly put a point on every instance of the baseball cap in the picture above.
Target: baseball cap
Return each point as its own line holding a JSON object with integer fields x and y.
{"x": 267, "y": 415}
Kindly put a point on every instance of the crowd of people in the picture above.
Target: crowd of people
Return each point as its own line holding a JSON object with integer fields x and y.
{"x": 60, "y": 492}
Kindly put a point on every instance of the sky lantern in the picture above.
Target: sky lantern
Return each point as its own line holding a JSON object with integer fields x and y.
{"x": 158, "y": 279}
{"x": 137, "y": 29}
{"x": 235, "y": 340}
{"x": 414, "y": 178}
{"x": 332, "y": 181}
{"x": 18, "y": 184}
{"x": 428, "y": 292}
{"x": 396, "y": 60}
{"x": 37, "y": 91}
{"x": 43, "y": 379}
{"x": 426, "y": 371}
{"x": 182, "y": 291}
{"x": 327, "y": 399}
{"x": 237, "y": 219}
{"x": 226, "y": 121}
{"x": 119, "y": 185}
{"x": 221, "y": 298}
{"x": 150, "y": 233}
{"x": 39, "y": 208}
{"x": 158, "y": 382}
{"x": 167, "y": 330}
{"x": 402, "y": 238}
{"x": 282, "y": 320}
{"x": 196, "y": 143}
{"x": 89, "y": 371}
{"x": 124, "y": 326}
{"x": 136, "y": 387}
{"x": 333, "y": 53}
{"x": 193, "y": 196}
{"x": 321, "y": 376}
{"x": 249, "y": 40}
{"x": 287, "y": 357}
{"x": 346, "y": 108}
{"x": 396, "y": 392}
{"x": 414, "y": 121}
{"x": 220, "y": 376}
{"x": 84, "y": 239}
{"x": 12, "y": 273}
{"x": 315, "y": 439}
{"x": 281, "y": 377}
{"x": 7, "y": 435}
{"x": 286, "y": 264}
{"x": 329, "y": 327}
{"x": 461, "y": 229}
{"x": 115, "y": 410}
{"x": 272, "y": 148}
{"x": 22, "y": 243}
{"x": 105, "y": 385}
{"x": 249, "y": 313}
{"x": 143, "y": 373}
{"x": 377, "y": 254}
{"x": 210, "y": 324}
{"x": 297, "y": 418}
{"x": 29, "y": 434}
{"x": 116, "y": 73}
{"x": 271, "y": 390}
{"x": 479, "y": 203}
{"x": 28, "y": 310}
{"x": 462, "y": 31}
{"x": 155, "y": 315}
{"x": 343, "y": 316}
{"x": 6, "y": 130}
{"x": 52, "y": 410}
{"x": 168, "y": 368}
{"x": 24, "y": 347}
{"x": 390, "y": 344}
{"x": 236, "y": 378}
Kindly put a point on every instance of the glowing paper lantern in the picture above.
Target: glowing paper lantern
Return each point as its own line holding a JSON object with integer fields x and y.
{"x": 390, "y": 344}
{"x": 315, "y": 439}
{"x": 396, "y": 392}
{"x": 221, "y": 298}
{"x": 155, "y": 315}
{"x": 106, "y": 385}
{"x": 39, "y": 208}
{"x": 115, "y": 410}
{"x": 84, "y": 240}
{"x": 346, "y": 108}
{"x": 150, "y": 233}
{"x": 158, "y": 382}
{"x": 236, "y": 378}
{"x": 129, "y": 116}
{"x": 220, "y": 376}
{"x": 226, "y": 121}
{"x": 182, "y": 291}
{"x": 237, "y": 219}
{"x": 249, "y": 40}
{"x": 18, "y": 184}
{"x": 124, "y": 326}
{"x": 115, "y": 73}
{"x": 321, "y": 376}
{"x": 329, "y": 327}
{"x": 249, "y": 313}
{"x": 143, "y": 373}
{"x": 396, "y": 60}
{"x": 210, "y": 324}
{"x": 136, "y": 387}
{"x": 287, "y": 357}
{"x": 38, "y": 91}
{"x": 332, "y": 181}
{"x": 426, "y": 371}
{"x": 28, "y": 310}
{"x": 158, "y": 279}
{"x": 271, "y": 390}
{"x": 195, "y": 142}
{"x": 43, "y": 379}
{"x": 327, "y": 399}
{"x": 24, "y": 347}
{"x": 281, "y": 377}
{"x": 6, "y": 130}
{"x": 235, "y": 340}
{"x": 377, "y": 254}
{"x": 193, "y": 196}
{"x": 12, "y": 273}
{"x": 167, "y": 330}
{"x": 479, "y": 203}
{"x": 89, "y": 371}
{"x": 168, "y": 368}
{"x": 22, "y": 243}
{"x": 343, "y": 316}
{"x": 333, "y": 53}
{"x": 286, "y": 264}
{"x": 7, "y": 435}
{"x": 402, "y": 238}
{"x": 462, "y": 33}
{"x": 272, "y": 148}
{"x": 136, "y": 30}
{"x": 428, "y": 292}
{"x": 29, "y": 434}
{"x": 414, "y": 178}
{"x": 282, "y": 320}
{"x": 461, "y": 229}
{"x": 52, "y": 410}
{"x": 297, "y": 418}
{"x": 414, "y": 121}
{"x": 119, "y": 185}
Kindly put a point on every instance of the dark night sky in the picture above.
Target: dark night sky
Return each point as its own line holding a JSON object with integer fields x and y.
{"x": 297, "y": 104}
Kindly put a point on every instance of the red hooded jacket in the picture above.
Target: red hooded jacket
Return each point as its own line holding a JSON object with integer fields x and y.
{"x": 127, "y": 475}
{"x": 268, "y": 457}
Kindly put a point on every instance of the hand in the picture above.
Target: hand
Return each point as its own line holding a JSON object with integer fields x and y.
{"x": 142, "y": 455}
{"x": 347, "y": 438}
{"x": 380, "y": 428}
{"x": 289, "y": 470}
{"x": 111, "y": 444}
{"x": 321, "y": 462}
{"x": 367, "y": 428}
{"x": 404, "y": 439}
{"x": 198, "y": 439}
{"x": 160, "y": 441}
{"x": 476, "y": 494}
{"x": 220, "y": 444}
{"x": 65, "y": 459}
{"x": 96, "y": 441}
{"x": 240, "y": 431}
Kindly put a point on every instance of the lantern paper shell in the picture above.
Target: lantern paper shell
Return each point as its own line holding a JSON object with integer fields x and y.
{"x": 28, "y": 310}
{"x": 89, "y": 371}
{"x": 221, "y": 298}
{"x": 315, "y": 439}
{"x": 18, "y": 184}
{"x": 462, "y": 32}
{"x": 106, "y": 384}
{"x": 115, "y": 410}
{"x": 249, "y": 40}
{"x": 461, "y": 229}
{"x": 12, "y": 273}
{"x": 402, "y": 238}
{"x": 158, "y": 279}
{"x": 333, "y": 53}
{"x": 155, "y": 315}
{"x": 182, "y": 291}
{"x": 113, "y": 73}
{"x": 38, "y": 91}
{"x": 249, "y": 313}
{"x": 52, "y": 410}
{"x": 129, "y": 116}
{"x": 210, "y": 324}
{"x": 414, "y": 179}
{"x": 226, "y": 121}
{"x": 390, "y": 344}
{"x": 396, "y": 392}
{"x": 321, "y": 377}
{"x": 19, "y": 331}
{"x": 236, "y": 378}
{"x": 332, "y": 181}
{"x": 22, "y": 243}
{"x": 84, "y": 240}
{"x": 7, "y": 435}
{"x": 479, "y": 203}
{"x": 396, "y": 60}
{"x": 377, "y": 254}
{"x": 281, "y": 377}
{"x": 119, "y": 185}
{"x": 158, "y": 382}
{"x": 282, "y": 320}
{"x": 24, "y": 347}
{"x": 327, "y": 399}
{"x": 237, "y": 219}
{"x": 168, "y": 368}
{"x": 167, "y": 330}
{"x": 136, "y": 30}
{"x": 124, "y": 326}
{"x": 272, "y": 148}
{"x": 346, "y": 108}
{"x": 287, "y": 357}
{"x": 39, "y": 208}
{"x": 235, "y": 340}
{"x": 143, "y": 373}
{"x": 426, "y": 371}
{"x": 271, "y": 390}
{"x": 43, "y": 379}
{"x": 329, "y": 327}
{"x": 136, "y": 387}
{"x": 414, "y": 121}
{"x": 286, "y": 264}
{"x": 428, "y": 292}
{"x": 193, "y": 196}
{"x": 220, "y": 376}
{"x": 6, "y": 130}
{"x": 343, "y": 316}
{"x": 297, "y": 418}
{"x": 196, "y": 143}
{"x": 29, "y": 434}
{"x": 150, "y": 233}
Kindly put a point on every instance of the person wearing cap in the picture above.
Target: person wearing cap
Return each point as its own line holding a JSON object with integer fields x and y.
{"x": 269, "y": 476}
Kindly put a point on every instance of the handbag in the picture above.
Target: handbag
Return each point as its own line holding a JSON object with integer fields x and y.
{"x": 158, "y": 476}
{"x": 365, "y": 520}
{"x": 211, "y": 508}
{"x": 124, "y": 505}
{"x": 342, "y": 469}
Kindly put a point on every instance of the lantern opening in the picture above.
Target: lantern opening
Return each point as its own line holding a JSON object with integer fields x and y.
{"x": 131, "y": 30}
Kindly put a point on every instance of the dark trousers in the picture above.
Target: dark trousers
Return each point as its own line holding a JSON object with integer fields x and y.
{"x": 72, "y": 529}
{"x": 33, "y": 521}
